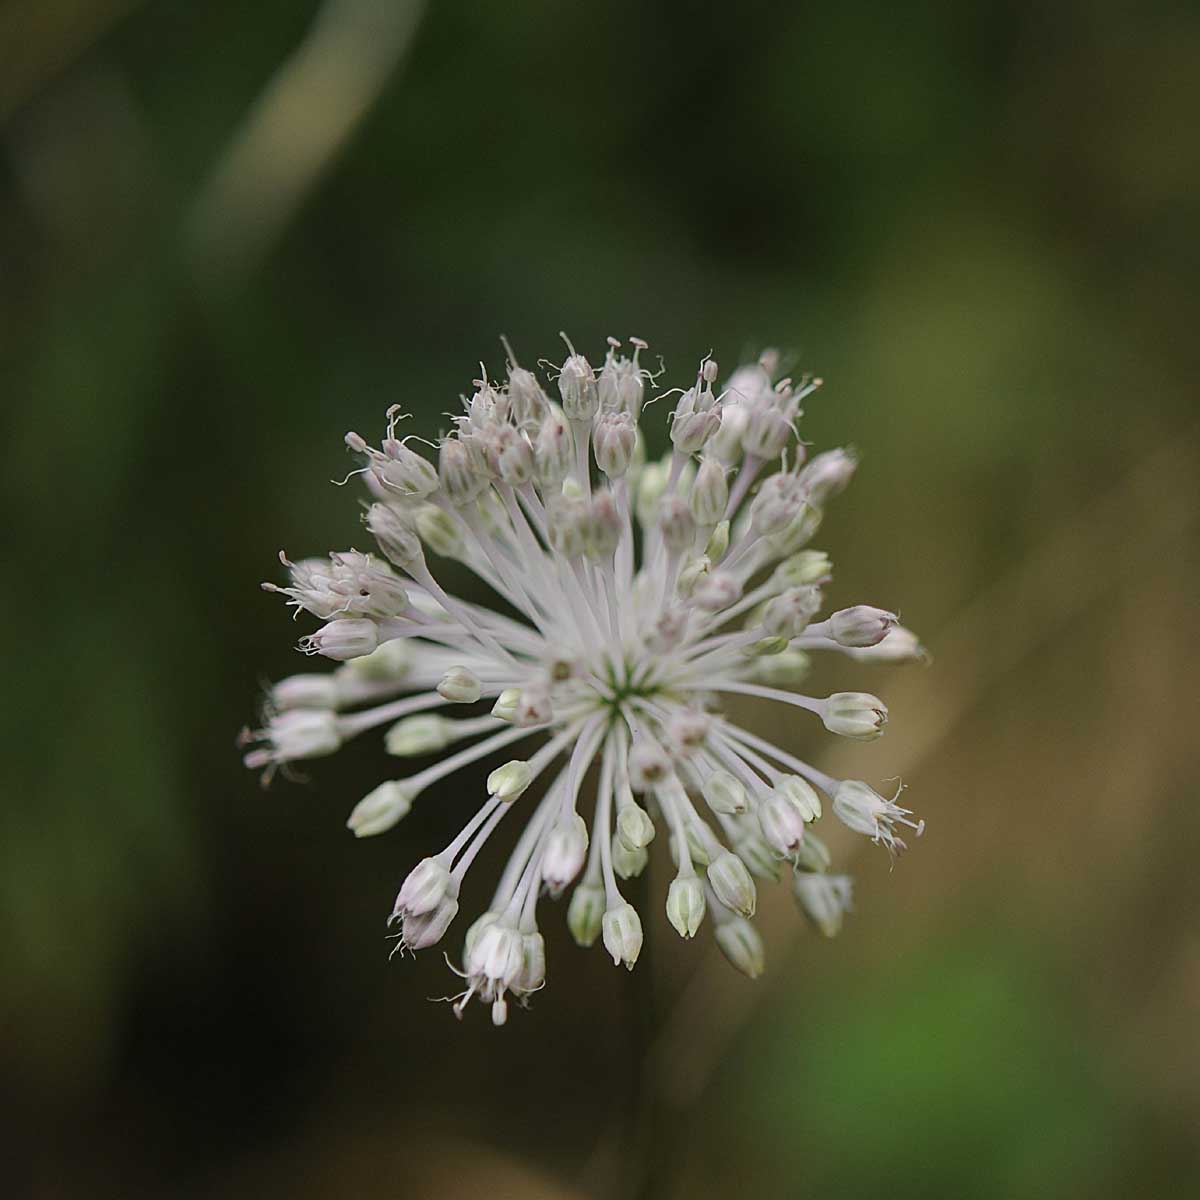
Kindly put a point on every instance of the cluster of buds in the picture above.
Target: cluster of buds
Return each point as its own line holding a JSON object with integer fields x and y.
{"x": 644, "y": 590}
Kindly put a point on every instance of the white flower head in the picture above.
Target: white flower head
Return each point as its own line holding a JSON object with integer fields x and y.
{"x": 631, "y": 597}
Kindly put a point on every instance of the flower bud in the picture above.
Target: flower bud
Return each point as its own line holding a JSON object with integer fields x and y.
{"x": 515, "y": 462}
{"x": 577, "y": 387}
{"x": 716, "y": 591}
{"x": 781, "y": 823}
{"x": 305, "y": 691}
{"x": 585, "y": 912}
{"x": 799, "y": 531}
{"x": 685, "y": 905}
{"x": 613, "y": 440}
{"x": 343, "y": 640}
{"x": 732, "y": 883}
{"x": 438, "y": 531}
{"x": 828, "y": 473}
{"x": 533, "y": 963}
{"x": 509, "y": 781}
{"x": 566, "y": 848}
{"x": 775, "y": 506}
{"x": 602, "y": 529}
{"x": 789, "y": 614}
{"x": 553, "y": 451}
{"x": 861, "y": 625}
{"x": 622, "y": 929}
{"x": 802, "y": 794}
{"x": 425, "y": 887}
{"x": 390, "y": 661}
{"x": 651, "y": 484}
{"x": 676, "y": 523}
{"x": 766, "y": 647}
{"x": 421, "y": 930}
{"x": 855, "y": 715}
{"x": 813, "y": 855}
{"x": 527, "y": 401}
{"x": 724, "y": 793}
{"x": 628, "y": 862}
{"x": 460, "y": 686}
{"x": 710, "y": 493}
{"x": 899, "y": 645}
{"x": 460, "y": 480}
{"x": 824, "y": 900}
{"x": 394, "y": 536}
{"x": 742, "y": 946}
{"x": 380, "y": 809}
{"x": 425, "y": 733}
{"x": 805, "y": 568}
{"x": 690, "y": 431}
{"x": 634, "y": 827}
{"x": 759, "y": 858}
{"x": 767, "y": 433}
{"x": 506, "y": 704}
{"x": 786, "y": 669}
{"x": 718, "y": 543}
{"x": 693, "y": 572}
{"x": 726, "y": 443}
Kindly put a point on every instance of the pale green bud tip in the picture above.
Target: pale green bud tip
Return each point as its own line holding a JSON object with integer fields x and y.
{"x": 718, "y": 543}
{"x": 857, "y": 715}
{"x": 425, "y": 733}
{"x": 724, "y": 793}
{"x": 585, "y": 913}
{"x": 509, "y": 781}
{"x": 460, "y": 686}
{"x": 506, "y": 704}
{"x": 732, "y": 883}
{"x": 627, "y": 861}
{"x": 634, "y": 827}
{"x": 802, "y": 794}
{"x": 740, "y": 943}
{"x": 824, "y": 900}
{"x": 622, "y": 929}
{"x": 685, "y": 905}
{"x": 379, "y": 810}
{"x": 392, "y": 660}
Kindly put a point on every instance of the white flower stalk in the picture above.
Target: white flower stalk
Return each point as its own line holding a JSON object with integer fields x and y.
{"x": 643, "y": 593}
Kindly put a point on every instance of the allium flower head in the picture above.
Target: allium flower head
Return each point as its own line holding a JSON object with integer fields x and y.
{"x": 634, "y": 595}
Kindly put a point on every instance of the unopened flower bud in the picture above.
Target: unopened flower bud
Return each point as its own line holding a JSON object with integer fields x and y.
{"x": 634, "y": 826}
{"x": 527, "y": 401}
{"x": 585, "y": 912}
{"x": 899, "y": 645}
{"x": 343, "y": 640}
{"x": 419, "y": 931}
{"x": 732, "y": 883}
{"x": 533, "y": 963}
{"x": 380, "y": 809}
{"x": 800, "y": 530}
{"x": 766, "y": 647}
{"x": 460, "y": 480}
{"x": 742, "y": 946}
{"x": 718, "y": 543}
{"x": 577, "y": 387}
{"x": 710, "y": 493}
{"x": 716, "y": 591}
{"x": 789, "y": 614}
{"x": 425, "y": 733}
{"x": 724, "y": 793}
{"x": 726, "y": 443}
{"x": 802, "y": 569}
{"x": 861, "y": 625}
{"x": 602, "y": 529}
{"x": 622, "y": 929}
{"x": 390, "y": 661}
{"x": 613, "y": 440}
{"x": 438, "y": 531}
{"x": 855, "y": 715}
{"x": 460, "y": 686}
{"x": 685, "y": 905}
{"x": 802, "y": 794}
{"x": 305, "y": 691}
{"x": 786, "y": 669}
{"x": 515, "y": 461}
{"x": 828, "y": 473}
{"x": 566, "y": 848}
{"x": 776, "y": 504}
{"x": 677, "y": 524}
{"x": 628, "y": 862}
{"x": 813, "y": 854}
{"x": 824, "y": 900}
{"x": 689, "y": 432}
{"x": 760, "y": 859}
{"x": 693, "y": 572}
{"x": 394, "y": 536}
{"x": 425, "y": 886}
{"x": 506, "y": 704}
{"x": 509, "y": 781}
{"x": 553, "y": 451}
{"x": 781, "y": 823}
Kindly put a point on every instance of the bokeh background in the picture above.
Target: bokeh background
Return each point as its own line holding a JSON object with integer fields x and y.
{"x": 230, "y": 232}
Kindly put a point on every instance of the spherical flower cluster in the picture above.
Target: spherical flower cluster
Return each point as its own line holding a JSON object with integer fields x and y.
{"x": 644, "y": 591}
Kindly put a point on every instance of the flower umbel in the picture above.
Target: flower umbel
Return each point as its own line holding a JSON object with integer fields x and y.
{"x": 644, "y": 591}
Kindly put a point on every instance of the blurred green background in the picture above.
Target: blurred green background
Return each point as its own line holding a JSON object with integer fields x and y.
{"x": 230, "y": 232}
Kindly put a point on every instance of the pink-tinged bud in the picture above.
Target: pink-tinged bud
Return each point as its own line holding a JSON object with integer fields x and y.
{"x": 781, "y": 822}
{"x": 460, "y": 479}
{"x": 343, "y": 640}
{"x": 857, "y": 715}
{"x": 613, "y": 440}
{"x": 861, "y": 625}
{"x": 577, "y": 387}
{"x": 828, "y": 473}
{"x": 424, "y": 888}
